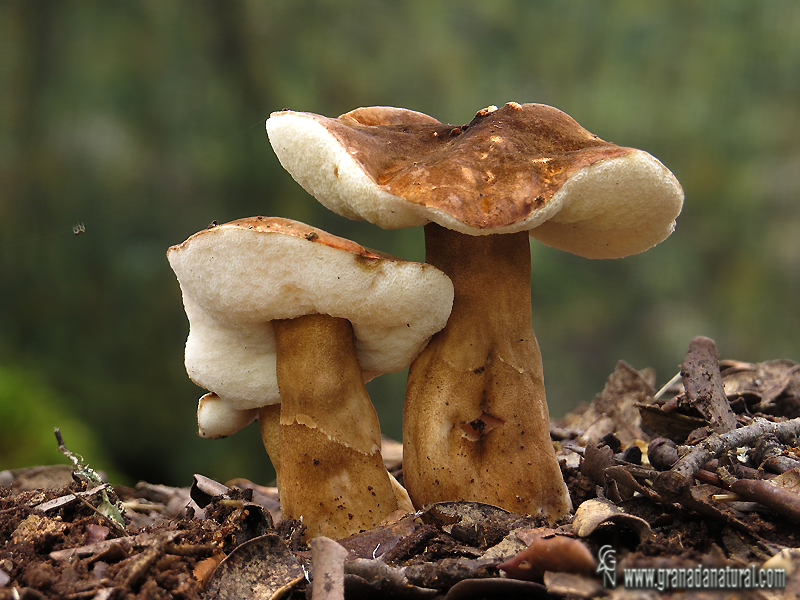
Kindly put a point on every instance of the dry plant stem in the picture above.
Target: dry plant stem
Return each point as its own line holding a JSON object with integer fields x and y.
{"x": 332, "y": 473}
{"x": 782, "y": 501}
{"x": 703, "y": 384}
{"x": 328, "y": 558}
{"x": 475, "y": 422}
{"x": 677, "y": 480}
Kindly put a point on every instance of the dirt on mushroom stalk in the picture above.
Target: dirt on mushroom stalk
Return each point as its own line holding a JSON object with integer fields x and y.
{"x": 652, "y": 475}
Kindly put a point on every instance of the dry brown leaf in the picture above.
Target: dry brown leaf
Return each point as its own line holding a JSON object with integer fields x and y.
{"x": 615, "y": 408}
{"x": 593, "y": 513}
{"x": 260, "y": 569}
{"x": 548, "y": 551}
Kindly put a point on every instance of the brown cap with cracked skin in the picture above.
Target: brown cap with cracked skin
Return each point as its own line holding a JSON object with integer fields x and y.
{"x": 511, "y": 169}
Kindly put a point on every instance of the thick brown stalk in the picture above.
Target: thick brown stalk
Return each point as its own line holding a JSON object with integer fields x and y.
{"x": 332, "y": 474}
{"x": 476, "y": 425}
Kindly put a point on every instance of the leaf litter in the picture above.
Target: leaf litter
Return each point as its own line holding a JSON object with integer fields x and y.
{"x": 705, "y": 471}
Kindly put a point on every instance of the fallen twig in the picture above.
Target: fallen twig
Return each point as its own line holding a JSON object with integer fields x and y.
{"x": 141, "y": 540}
{"x": 769, "y": 454}
{"x": 677, "y": 480}
{"x": 782, "y": 501}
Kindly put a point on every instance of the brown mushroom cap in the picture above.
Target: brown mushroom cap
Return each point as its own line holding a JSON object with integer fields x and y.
{"x": 510, "y": 169}
{"x": 238, "y": 277}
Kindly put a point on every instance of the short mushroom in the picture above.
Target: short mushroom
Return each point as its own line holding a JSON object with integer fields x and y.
{"x": 216, "y": 418}
{"x": 281, "y": 312}
{"x": 476, "y": 422}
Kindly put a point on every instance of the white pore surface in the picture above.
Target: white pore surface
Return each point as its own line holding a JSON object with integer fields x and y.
{"x": 235, "y": 281}
{"x": 237, "y": 363}
{"x": 614, "y": 208}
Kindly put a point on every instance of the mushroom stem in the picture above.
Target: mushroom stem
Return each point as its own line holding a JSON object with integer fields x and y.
{"x": 475, "y": 422}
{"x": 332, "y": 474}
{"x": 269, "y": 422}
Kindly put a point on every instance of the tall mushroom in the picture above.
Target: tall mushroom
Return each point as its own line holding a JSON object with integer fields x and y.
{"x": 281, "y": 312}
{"x": 475, "y": 420}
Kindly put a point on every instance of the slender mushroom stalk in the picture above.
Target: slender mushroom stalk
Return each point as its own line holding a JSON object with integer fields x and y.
{"x": 332, "y": 471}
{"x": 475, "y": 402}
{"x": 475, "y": 420}
{"x": 287, "y": 322}
{"x": 269, "y": 422}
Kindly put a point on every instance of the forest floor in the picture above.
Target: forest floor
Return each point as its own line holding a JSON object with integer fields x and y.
{"x": 696, "y": 485}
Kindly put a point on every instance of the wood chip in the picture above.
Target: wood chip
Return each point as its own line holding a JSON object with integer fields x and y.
{"x": 328, "y": 560}
{"x": 703, "y": 384}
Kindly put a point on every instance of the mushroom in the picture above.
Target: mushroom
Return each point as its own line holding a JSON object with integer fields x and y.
{"x": 216, "y": 418}
{"x": 476, "y": 423}
{"x": 288, "y": 322}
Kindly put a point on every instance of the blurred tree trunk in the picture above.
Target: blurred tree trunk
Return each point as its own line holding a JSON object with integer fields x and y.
{"x": 235, "y": 57}
{"x": 34, "y": 25}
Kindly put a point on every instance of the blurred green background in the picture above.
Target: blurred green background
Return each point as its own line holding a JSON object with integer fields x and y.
{"x": 144, "y": 121}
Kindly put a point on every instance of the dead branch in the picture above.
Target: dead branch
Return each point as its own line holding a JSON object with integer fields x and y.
{"x": 782, "y": 501}
{"x": 703, "y": 384}
{"x": 677, "y": 480}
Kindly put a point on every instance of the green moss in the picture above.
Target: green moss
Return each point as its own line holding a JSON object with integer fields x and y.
{"x": 29, "y": 412}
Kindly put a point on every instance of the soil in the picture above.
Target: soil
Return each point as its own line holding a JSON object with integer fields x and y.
{"x": 702, "y": 474}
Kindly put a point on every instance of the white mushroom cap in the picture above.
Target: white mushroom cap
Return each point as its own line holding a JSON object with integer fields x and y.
{"x": 217, "y": 418}
{"x": 517, "y": 168}
{"x": 238, "y": 277}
